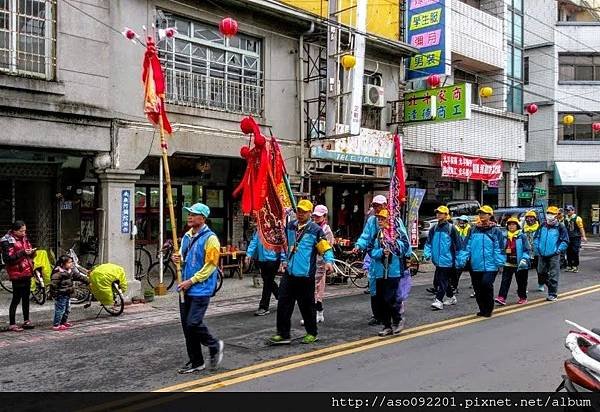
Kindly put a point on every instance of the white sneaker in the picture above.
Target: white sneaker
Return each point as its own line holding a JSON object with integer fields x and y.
{"x": 320, "y": 317}
{"x": 450, "y": 301}
{"x": 437, "y": 305}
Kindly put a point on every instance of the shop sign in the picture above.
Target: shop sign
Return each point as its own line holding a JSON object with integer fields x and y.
{"x": 125, "y": 207}
{"x": 415, "y": 198}
{"x": 470, "y": 168}
{"x": 493, "y": 183}
{"x": 525, "y": 195}
{"x": 372, "y": 147}
{"x": 441, "y": 104}
{"x": 539, "y": 191}
{"x": 427, "y": 21}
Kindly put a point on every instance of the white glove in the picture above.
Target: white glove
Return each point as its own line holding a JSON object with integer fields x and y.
{"x": 523, "y": 264}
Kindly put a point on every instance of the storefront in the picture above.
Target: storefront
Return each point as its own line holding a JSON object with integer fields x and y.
{"x": 578, "y": 184}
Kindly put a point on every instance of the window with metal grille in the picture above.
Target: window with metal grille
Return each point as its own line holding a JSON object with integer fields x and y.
{"x": 206, "y": 70}
{"x": 27, "y": 37}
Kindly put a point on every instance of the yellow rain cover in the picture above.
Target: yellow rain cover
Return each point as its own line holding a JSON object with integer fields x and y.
{"x": 41, "y": 260}
{"x": 101, "y": 279}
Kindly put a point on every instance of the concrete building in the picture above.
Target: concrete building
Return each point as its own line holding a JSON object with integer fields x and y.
{"x": 562, "y": 52}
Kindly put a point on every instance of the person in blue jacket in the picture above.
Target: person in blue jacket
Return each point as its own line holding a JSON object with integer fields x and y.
{"x": 550, "y": 241}
{"x": 386, "y": 269}
{"x": 268, "y": 262}
{"x": 484, "y": 251}
{"x": 442, "y": 246}
{"x": 517, "y": 250}
{"x": 463, "y": 227}
{"x": 306, "y": 240}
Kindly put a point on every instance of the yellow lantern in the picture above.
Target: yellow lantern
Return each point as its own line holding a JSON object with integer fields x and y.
{"x": 486, "y": 91}
{"x": 348, "y": 61}
{"x": 568, "y": 119}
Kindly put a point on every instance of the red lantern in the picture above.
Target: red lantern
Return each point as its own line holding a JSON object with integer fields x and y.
{"x": 532, "y": 108}
{"x": 434, "y": 80}
{"x": 228, "y": 27}
{"x": 596, "y": 127}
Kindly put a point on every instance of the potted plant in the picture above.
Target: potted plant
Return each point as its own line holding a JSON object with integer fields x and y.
{"x": 149, "y": 295}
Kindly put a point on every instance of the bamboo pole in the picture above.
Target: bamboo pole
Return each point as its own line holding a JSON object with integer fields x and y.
{"x": 165, "y": 160}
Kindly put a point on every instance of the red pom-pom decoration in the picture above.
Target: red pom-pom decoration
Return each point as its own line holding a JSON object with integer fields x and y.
{"x": 129, "y": 34}
{"x": 245, "y": 152}
{"x": 532, "y": 108}
{"x": 596, "y": 127}
{"x": 434, "y": 80}
{"x": 247, "y": 125}
{"x": 259, "y": 140}
{"x": 170, "y": 32}
{"x": 228, "y": 27}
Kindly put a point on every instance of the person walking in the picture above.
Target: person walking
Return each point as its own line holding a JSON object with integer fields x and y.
{"x": 17, "y": 255}
{"x": 61, "y": 289}
{"x": 530, "y": 228}
{"x": 563, "y": 255}
{"x": 443, "y": 243}
{"x": 199, "y": 255}
{"x": 550, "y": 241}
{"x": 364, "y": 241}
{"x": 306, "y": 240}
{"x": 484, "y": 251}
{"x": 464, "y": 230}
{"x": 319, "y": 216}
{"x": 574, "y": 226}
{"x": 517, "y": 251}
{"x": 268, "y": 263}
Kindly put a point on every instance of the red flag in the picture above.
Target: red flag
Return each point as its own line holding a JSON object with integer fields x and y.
{"x": 154, "y": 88}
{"x": 400, "y": 168}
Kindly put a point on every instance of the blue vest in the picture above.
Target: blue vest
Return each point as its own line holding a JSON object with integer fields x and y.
{"x": 194, "y": 261}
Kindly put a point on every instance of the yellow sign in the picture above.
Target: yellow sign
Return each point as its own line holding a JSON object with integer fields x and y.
{"x": 426, "y": 19}
{"x": 422, "y": 61}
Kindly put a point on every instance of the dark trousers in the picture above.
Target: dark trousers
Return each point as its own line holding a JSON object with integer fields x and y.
{"x": 455, "y": 279}
{"x": 573, "y": 251}
{"x": 21, "y": 292}
{"x": 441, "y": 280}
{"x": 374, "y": 307}
{"x": 483, "y": 285}
{"x": 294, "y": 289}
{"x": 196, "y": 333}
{"x": 62, "y": 308}
{"x": 268, "y": 271}
{"x": 521, "y": 277}
{"x": 549, "y": 270}
{"x": 385, "y": 297}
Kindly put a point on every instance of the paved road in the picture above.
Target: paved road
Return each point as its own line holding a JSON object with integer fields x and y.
{"x": 141, "y": 350}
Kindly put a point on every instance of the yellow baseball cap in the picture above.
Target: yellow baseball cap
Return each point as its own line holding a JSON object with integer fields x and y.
{"x": 305, "y": 205}
{"x": 531, "y": 213}
{"x": 552, "y": 209}
{"x": 443, "y": 209}
{"x": 383, "y": 213}
{"x": 486, "y": 209}
{"x": 513, "y": 220}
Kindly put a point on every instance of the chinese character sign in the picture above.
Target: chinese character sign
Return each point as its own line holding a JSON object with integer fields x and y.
{"x": 415, "y": 198}
{"x": 427, "y": 21}
{"x": 470, "y": 168}
{"x": 125, "y": 208}
{"x": 449, "y": 103}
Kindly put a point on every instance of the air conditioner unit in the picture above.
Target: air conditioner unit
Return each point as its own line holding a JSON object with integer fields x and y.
{"x": 373, "y": 96}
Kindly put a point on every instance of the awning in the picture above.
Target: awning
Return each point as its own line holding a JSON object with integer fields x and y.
{"x": 577, "y": 173}
{"x": 530, "y": 174}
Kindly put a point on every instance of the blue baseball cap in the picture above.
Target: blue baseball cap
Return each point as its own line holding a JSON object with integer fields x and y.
{"x": 571, "y": 207}
{"x": 464, "y": 218}
{"x": 199, "y": 209}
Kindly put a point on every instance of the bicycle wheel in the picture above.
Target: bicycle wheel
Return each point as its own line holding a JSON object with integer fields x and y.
{"x": 413, "y": 264}
{"x": 5, "y": 282}
{"x": 39, "y": 293}
{"x": 219, "y": 280}
{"x": 153, "y": 276}
{"x": 143, "y": 261}
{"x": 81, "y": 293}
{"x": 358, "y": 276}
{"x": 118, "y": 301}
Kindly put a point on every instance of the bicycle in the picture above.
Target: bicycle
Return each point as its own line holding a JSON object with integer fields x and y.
{"x": 38, "y": 294}
{"x": 354, "y": 271}
{"x": 82, "y": 292}
{"x": 143, "y": 261}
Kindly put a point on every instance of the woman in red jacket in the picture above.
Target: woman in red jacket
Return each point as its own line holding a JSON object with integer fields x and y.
{"x": 17, "y": 254}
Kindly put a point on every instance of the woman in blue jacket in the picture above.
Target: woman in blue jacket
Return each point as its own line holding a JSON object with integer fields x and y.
{"x": 517, "y": 250}
{"x": 386, "y": 269}
{"x": 484, "y": 251}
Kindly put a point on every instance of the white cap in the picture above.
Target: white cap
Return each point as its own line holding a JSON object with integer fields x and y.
{"x": 320, "y": 210}
{"x": 380, "y": 200}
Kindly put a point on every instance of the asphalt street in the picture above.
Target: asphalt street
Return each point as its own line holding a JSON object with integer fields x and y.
{"x": 514, "y": 351}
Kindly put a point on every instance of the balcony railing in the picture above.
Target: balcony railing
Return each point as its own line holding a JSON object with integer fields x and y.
{"x": 198, "y": 90}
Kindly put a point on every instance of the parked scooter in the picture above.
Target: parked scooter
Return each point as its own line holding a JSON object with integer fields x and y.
{"x": 583, "y": 369}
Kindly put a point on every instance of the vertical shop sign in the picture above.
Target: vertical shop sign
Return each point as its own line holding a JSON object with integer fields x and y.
{"x": 415, "y": 198}
{"x": 125, "y": 208}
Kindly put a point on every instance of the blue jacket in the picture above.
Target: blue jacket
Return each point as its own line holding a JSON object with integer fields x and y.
{"x": 370, "y": 232}
{"x": 523, "y": 248}
{"x": 396, "y": 264}
{"x": 304, "y": 248}
{"x": 257, "y": 251}
{"x": 443, "y": 245}
{"x": 551, "y": 240}
{"x": 484, "y": 250}
{"x": 194, "y": 261}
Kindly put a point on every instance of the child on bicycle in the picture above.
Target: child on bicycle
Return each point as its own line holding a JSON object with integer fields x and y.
{"x": 61, "y": 288}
